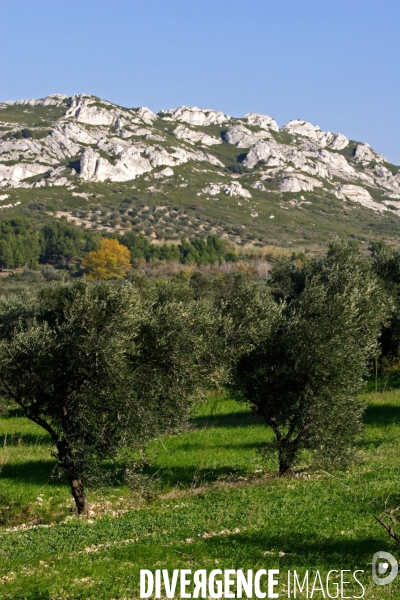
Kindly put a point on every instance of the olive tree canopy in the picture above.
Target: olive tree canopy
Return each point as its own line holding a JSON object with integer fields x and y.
{"x": 301, "y": 363}
{"x": 100, "y": 366}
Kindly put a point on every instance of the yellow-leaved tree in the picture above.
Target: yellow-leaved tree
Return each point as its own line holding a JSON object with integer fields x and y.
{"x": 111, "y": 260}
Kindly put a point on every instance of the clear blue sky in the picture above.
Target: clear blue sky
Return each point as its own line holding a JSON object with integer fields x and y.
{"x": 335, "y": 63}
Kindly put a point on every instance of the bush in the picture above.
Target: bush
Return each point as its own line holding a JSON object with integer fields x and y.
{"x": 238, "y": 169}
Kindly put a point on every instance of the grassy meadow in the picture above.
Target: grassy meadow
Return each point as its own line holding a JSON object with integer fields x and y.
{"x": 213, "y": 502}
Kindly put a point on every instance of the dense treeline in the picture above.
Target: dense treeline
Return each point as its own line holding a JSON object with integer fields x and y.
{"x": 197, "y": 251}
{"x": 103, "y": 366}
{"x": 19, "y": 244}
{"x": 61, "y": 243}
{"x": 23, "y": 245}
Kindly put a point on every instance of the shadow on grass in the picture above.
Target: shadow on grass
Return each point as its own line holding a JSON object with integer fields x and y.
{"x": 11, "y": 413}
{"x": 40, "y": 472}
{"x": 192, "y": 446}
{"x": 25, "y": 439}
{"x": 192, "y": 476}
{"x": 33, "y": 471}
{"x": 383, "y": 414}
{"x": 234, "y": 419}
{"x": 38, "y": 595}
{"x": 300, "y": 550}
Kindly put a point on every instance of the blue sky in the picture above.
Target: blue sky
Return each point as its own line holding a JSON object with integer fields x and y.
{"x": 335, "y": 63}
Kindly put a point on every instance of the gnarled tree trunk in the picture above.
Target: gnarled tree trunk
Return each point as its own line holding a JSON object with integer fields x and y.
{"x": 287, "y": 452}
{"x": 78, "y": 493}
{"x": 74, "y": 478}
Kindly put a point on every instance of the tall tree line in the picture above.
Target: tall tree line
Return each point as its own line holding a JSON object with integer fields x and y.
{"x": 60, "y": 242}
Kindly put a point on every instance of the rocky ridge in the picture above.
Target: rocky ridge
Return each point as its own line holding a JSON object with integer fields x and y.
{"x": 97, "y": 141}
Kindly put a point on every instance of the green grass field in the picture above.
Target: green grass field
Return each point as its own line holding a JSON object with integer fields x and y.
{"x": 216, "y": 504}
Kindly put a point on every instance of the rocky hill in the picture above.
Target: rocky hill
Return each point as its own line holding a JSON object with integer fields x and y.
{"x": 189, "y": 171}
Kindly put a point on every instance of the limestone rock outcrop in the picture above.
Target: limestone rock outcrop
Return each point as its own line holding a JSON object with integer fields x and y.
{"x": 336, "y": 141}
{"x": 101, "y": 141}
{"x": 167, "y": 172}
{"x": 85, "y": 110}
{"x": 16, "y": 173}
{"x": 242, "y": 137}
{"x": 359, "y": 194}
{"x": 146, "y": 115}
{"x": 194, "y": 116}
{"x": 364, "y": 154}
{"x": 269, "y": 153}
{"x": 94, "y": 167}
{"x": 52, "y": 100}
{"x": 190, "y": 135}
{"x": 298, "y": 183}
{"x": 262, "y": 121}
{"x": 230, "y": 189}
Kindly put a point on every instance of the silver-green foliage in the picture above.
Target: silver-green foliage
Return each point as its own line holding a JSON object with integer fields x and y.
{"x": 301, "y": 363}
{"x": 103, "y": 366}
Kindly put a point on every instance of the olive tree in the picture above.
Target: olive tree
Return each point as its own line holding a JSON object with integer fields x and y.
{"x": 101, "y": 366}
{"x": 300, "y": 363}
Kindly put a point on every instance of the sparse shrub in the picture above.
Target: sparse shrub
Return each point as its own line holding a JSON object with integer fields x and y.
{"x": 51, "y": 274}
{"x": 37, "y": 205}
{"x": 238, "y": 168}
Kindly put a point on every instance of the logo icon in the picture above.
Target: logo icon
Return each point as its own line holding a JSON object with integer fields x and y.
{"x": 381, "y": 563}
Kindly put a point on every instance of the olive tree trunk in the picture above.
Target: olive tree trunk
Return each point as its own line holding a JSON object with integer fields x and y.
{"x": 287, "y": 453}
{"x": 74, "y": 478}
{"x": 78, "y": 493}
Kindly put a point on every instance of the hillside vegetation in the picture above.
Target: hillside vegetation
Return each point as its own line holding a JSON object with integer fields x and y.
{"x": 191, "y": 172}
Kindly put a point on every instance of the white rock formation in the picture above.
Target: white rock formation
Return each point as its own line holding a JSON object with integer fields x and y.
{"x": 79, "y": 133}
{"x": 336, "y": 141}
{"x": 167, "y": 172}
{"x": 84, "y": 110}
{"x": 118, "y": 144}
{"x": 262, "y": 121}
{"x": 298, "y": 183}
{"x": 382, "y": 171}
{"x": 336, "y": 164}
{"x": 15, "y": 173}
{"x": 14, "y": 148}
{"x": 230, "y": 189}
{"x": 146, "y": 115}
{"x": 190, "y": 135}
{"x": 94, "y": 167}
{"x": 89, "y": 110}
{"x": 194, "y": 116}
{"x": 359, "y": 194}
{"x": 52, "y": 100}
{"x": 270, "y": 153}
{"x": 258, "y": 185}
{"x": 393, "y": 203}
{"x": 242, "y": 137}
{"x": 158, "y": 156}
{"x": 364, "y": 154}
{"x": 129, "y": 161}
{"x": 60, "y": 145}
{"x": 183, "y": 156}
